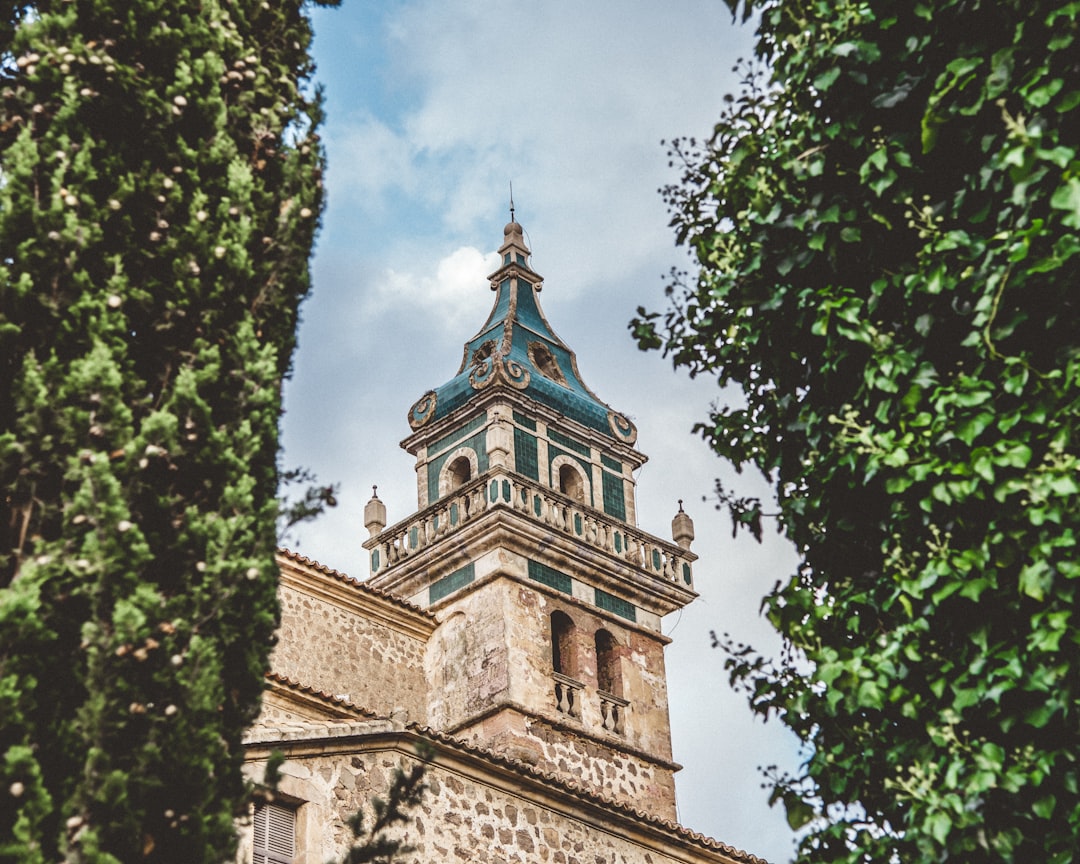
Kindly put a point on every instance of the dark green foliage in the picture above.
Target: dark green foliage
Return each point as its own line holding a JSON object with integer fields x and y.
{"x": 159, "y": 195}
{"x": 376, "y": 845}
{"x": 887, "y": 222}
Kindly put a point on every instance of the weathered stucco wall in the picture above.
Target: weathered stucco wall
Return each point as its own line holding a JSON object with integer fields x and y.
{"x": 466, "y": 660}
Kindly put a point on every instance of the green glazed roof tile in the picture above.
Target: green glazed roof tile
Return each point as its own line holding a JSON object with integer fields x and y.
{"x": 516, "y": 348}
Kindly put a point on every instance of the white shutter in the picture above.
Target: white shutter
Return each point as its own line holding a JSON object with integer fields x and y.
{"x": 274, "y": 834}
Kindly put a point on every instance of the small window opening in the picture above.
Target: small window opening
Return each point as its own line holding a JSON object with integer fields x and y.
{"x": 570, "y": 483}
{"x": 607, "y": 671}
{"x": 460, "y": 472}
{"x": 562, "y": 645}
{"x": 274, "y": 834}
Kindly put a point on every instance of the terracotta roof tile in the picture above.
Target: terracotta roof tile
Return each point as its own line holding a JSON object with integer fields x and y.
{"x": 339, "y": 702}
{"x": 337, "y": 575}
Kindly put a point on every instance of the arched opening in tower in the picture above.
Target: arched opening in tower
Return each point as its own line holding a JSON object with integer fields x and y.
{"x": 460, "y": 472}
{"x": 571, "y": 483}
{"x": 562, "y": 644}
{"x": 607, "y": 670}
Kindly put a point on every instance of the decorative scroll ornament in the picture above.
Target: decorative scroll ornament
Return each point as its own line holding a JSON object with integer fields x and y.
{"x": 491, "y": 367}
{"x": 516, "y": 375}
{"x": 423, "y": 410}
{"x": 622, "y": 428}
{"x": 484, "y": 366}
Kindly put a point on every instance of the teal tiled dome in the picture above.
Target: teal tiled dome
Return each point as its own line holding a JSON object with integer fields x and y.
{"x": 516, "y": 348}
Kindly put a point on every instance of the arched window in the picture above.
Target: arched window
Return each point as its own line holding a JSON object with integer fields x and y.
{"x": 460, "y": 472}
{"x": 571, "y": 483}
{"x": 568, "y": 476}
{"x": 608, "y": 678}
{"x": 563, "y": 660}
{"x": 564, "y": 665}
{"x": 460, "y": 467}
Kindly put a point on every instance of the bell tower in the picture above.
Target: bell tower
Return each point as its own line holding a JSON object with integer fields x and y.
{"x": 525, "y": 546}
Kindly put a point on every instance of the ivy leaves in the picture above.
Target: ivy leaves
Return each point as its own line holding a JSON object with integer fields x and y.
{"x": 885, "y": 224}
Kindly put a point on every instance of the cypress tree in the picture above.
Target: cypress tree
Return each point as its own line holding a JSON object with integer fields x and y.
{"x": 159, "y": 196}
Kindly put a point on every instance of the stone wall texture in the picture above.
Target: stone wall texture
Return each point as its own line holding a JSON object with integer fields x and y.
{"x": 624, "y": 777}
{"x": 489, "y": 667}
{"x": 463, "y": 817}
{"x": 334, "y": 647}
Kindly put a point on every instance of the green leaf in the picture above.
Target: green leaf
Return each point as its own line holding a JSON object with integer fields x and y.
{"x": 938, "y": 825}
{"x": 827, "y": 78}
{"x": 1035, "y": 579}
{"x": 1067, "y": 197}
{"x": 1044, "y": 807}
{"x": 799, "y": 813}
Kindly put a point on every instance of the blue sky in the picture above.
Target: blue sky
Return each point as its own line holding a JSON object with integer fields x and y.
{"x": 434, "y": 108}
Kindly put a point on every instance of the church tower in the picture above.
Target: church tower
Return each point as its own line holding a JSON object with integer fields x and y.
{"x": 525, "y": 548}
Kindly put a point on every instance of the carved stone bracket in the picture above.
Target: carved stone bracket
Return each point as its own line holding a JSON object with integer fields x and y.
{"x": 622, "y": 428}
{"x": 423, "y": 410}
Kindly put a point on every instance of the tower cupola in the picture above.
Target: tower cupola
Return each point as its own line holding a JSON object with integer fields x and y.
{"x": 514, "y": 250}
{"x": 517, "y": 349}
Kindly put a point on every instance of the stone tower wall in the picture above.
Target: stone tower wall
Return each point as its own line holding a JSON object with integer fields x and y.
{"x": 491, "y": 682}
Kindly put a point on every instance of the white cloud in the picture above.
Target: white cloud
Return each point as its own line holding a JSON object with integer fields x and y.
{"x": 448, "y": 302}
{"x": 568, "y": 102}
{"x": 371, "y": 161}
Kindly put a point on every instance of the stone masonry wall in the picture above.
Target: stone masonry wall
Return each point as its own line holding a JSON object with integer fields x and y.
{"x": 331, "y": 647}
{"x": 494, "y": 646}
{"x": 622, "y": 776}
{"x": 462, "y": 818}
{"x": 490, "y": 667}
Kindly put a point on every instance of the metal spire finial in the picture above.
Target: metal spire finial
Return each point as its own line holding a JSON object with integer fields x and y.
{"x": 511, "y": 200}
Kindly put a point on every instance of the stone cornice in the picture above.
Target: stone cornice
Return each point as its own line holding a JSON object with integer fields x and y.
{"x": 607, "y": 553}
{"x": 517, "y": 400}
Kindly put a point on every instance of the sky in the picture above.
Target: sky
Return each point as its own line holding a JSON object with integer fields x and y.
{"x": 433, "y": 110}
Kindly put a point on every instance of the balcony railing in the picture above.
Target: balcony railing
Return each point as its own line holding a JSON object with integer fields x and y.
{"x": 503, "y": 489}
{"x": 612, "y": 709}
{"x": 567, "y": 695}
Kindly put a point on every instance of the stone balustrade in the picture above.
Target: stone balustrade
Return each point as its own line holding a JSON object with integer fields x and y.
{"x": 567, "y": 695}
{"x": 612, "y": 709}
{"x": 503, "y": 489}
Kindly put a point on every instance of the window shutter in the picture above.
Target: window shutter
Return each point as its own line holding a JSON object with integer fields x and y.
{"x": 275, "y": 834}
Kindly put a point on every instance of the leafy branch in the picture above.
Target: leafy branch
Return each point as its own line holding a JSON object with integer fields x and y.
{"x": 376, "y": 842}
